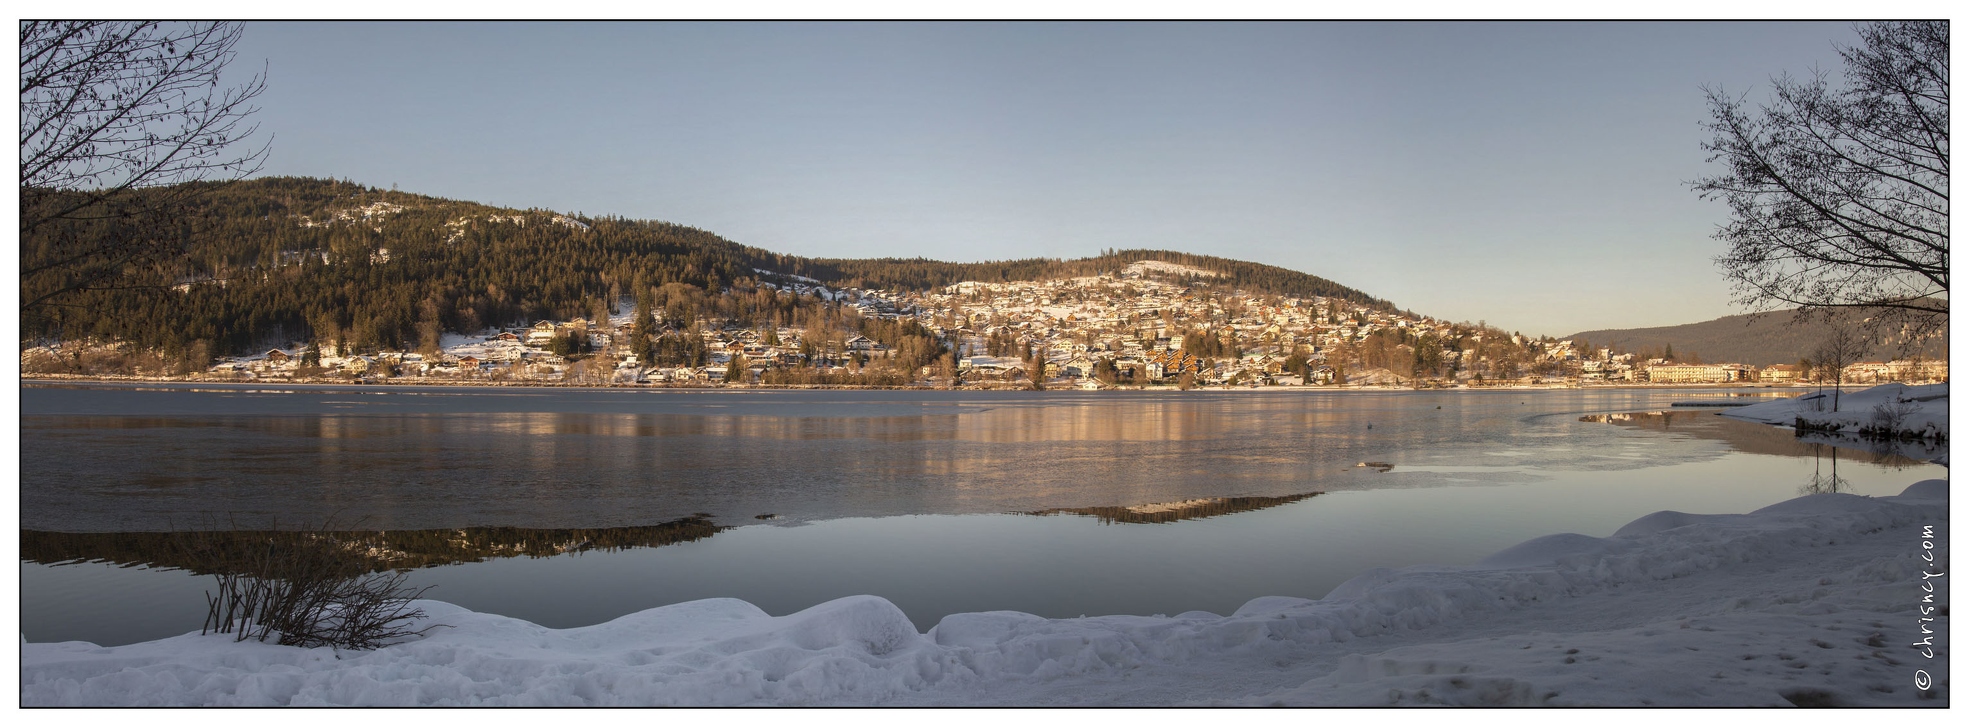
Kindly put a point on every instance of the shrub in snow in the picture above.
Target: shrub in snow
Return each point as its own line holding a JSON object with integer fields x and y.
{"x": 1888, "y": 418}
{"x": 303, "y": 589}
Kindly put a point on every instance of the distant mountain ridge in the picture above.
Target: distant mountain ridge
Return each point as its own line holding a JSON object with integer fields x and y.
{"x": 1754, "y": 339}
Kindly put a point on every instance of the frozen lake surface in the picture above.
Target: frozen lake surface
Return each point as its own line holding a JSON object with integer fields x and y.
{"x": 1056, "y": 503}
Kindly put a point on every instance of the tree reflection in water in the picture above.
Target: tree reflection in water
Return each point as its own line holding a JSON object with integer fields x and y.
{"x": 1178, "y": 511}
{"x": 383, "y": 550}
{"x": 1823, "y": 482}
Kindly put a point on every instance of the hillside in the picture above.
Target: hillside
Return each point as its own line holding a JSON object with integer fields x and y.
{"x": 286, "y": 259}
{"x": 919, "y": 273}
{"x": 1757, "y": 340}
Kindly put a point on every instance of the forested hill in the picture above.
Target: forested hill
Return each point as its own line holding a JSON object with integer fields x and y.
{"x": 283, "y": 259}
{"x": 1757, "y": 340}
{"x": 920, "y": 273}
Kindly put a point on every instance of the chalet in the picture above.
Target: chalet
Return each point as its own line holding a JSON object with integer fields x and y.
{"x": 1778, "y": 373}
{"x": 276, "y": 356}
{"x": 541, "y": 334}
{"x": 505, "y": 336}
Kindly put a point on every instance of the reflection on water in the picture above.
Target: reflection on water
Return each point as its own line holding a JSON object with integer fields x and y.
{"x": 1825, "y": 480}
{"x": 1900, "y": 450}
{"x": 1758, "y": 438}
{"x": 430, "y": 458}
{"x": 1178, "y": 511}
{"x": 203, "y": 551}
{"x": 382, "y": 549}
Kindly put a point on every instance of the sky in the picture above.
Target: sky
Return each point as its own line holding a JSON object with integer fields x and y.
{"x": 1530, "y": 175}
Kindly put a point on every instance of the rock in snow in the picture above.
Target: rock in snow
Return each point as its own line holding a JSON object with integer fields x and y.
{"x": 1811, "y": 601}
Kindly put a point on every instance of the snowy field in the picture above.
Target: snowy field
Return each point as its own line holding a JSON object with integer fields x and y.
{"x": 1811, "y": 601}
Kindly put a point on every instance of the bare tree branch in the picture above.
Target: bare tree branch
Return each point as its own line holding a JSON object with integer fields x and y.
{"x": 118, "y": 121}
{"x": 1839, "y": 196}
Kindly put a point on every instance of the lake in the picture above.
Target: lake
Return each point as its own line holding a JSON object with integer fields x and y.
{"x": 569, "y": 507}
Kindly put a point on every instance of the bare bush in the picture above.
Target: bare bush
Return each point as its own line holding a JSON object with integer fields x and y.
{"x": 303, "y": 589}
{"x": 1889, "y": 417}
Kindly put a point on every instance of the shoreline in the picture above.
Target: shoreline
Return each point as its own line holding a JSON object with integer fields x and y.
{"x": 1809, "y": 601}
{"x": 47, "y": 379}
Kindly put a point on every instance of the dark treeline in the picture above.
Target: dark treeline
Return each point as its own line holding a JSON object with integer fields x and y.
{"x": 276, "y": 260}
{"x": 284, "y": 259}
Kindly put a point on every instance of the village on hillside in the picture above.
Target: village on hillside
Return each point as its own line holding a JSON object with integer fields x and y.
{"x": 1151, "y": 324}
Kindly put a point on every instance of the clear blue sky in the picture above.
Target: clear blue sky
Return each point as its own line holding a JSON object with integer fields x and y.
{"x": 1527, "y": 174}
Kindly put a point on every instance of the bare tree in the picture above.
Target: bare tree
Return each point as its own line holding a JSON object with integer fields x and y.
{"x": 116, "y": 119}
{"x": 1842, "y": 347}
{"x": 1839, "y": 197}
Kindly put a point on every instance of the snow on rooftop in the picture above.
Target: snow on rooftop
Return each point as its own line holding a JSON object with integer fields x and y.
{"x": 1781, "y": 605}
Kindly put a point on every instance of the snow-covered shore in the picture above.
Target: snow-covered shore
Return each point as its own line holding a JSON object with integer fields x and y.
{"x": 1909, "y": 420}
{"x": 1812, "y": 601}
{"x": 1918, "y": 409}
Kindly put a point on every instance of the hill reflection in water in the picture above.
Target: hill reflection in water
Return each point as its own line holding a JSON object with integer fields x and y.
{"x": 1179, "y": 510}
{"x": 410, "y": 549}
{"x": 191, "y": 550}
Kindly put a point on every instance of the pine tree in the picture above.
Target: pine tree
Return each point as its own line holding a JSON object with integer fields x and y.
{"x": 642, "y": 338}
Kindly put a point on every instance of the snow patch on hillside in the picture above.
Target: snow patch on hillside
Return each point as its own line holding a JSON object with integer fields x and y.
{"x": 1138, "y": 268}
{"x": 372, "y": 211}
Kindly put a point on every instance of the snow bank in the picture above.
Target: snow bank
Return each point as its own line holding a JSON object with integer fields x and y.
{"x": 1798, "y": 602}
{"x": 1925, "y": 407}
